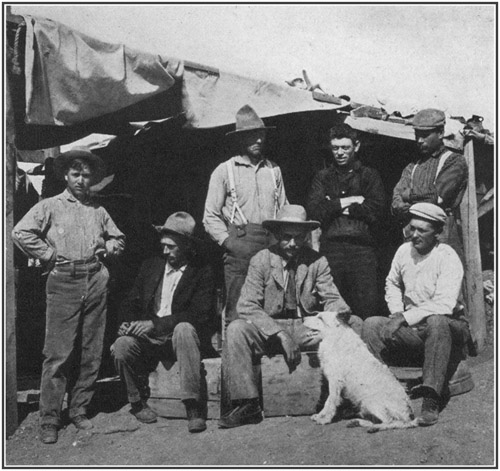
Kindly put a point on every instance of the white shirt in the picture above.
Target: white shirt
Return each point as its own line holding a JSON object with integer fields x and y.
{"x": 423, "y": 285}
{"x": 171, "y": 278}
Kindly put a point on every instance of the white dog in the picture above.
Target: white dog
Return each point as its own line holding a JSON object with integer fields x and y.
{"x": 355, "y": 374}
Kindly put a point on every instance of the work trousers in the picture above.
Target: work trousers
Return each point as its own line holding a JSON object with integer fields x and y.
{"x": 76, "y": 320}
{"x": 246, "y": 344}
{"x": 354, "y": 271}
{"x": 135, "y": 358}
{"x": 438, "y": 343}
{"x": 241, "y": 246}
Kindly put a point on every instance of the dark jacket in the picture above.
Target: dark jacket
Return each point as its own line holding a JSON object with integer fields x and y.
{"x": 193, "y": 300}
{"x": 323, "y": 203}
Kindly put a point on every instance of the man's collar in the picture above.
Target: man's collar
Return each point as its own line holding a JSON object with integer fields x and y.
{"x": 438, "y": 152}
{"x": 169, "y": 268}
{"x": 70, "y": 197}
{"x": 245, "y": 160}
{"x": 355, "y": 166}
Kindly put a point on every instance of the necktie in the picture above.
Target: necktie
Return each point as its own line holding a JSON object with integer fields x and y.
{"x": 291, "y": 293}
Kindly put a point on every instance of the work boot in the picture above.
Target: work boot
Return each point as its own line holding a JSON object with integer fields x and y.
{"x": 81, "y": 422}
{"x": 196, "y": 421}
{"x": 248, "y": 412}
{"x": 48, "y": 433}
{"x": 143, "y": 413}
{"x": 430, "y": 411}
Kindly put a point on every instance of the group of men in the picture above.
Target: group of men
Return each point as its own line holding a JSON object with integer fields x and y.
{"x": 273, "y": 279}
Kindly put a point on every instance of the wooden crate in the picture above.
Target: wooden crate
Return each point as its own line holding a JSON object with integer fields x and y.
{"x": 165, "y": 389}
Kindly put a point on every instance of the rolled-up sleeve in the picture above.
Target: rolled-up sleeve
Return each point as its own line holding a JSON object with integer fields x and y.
{"x": 29, "y": 233}
{"x": 213, "y": 218}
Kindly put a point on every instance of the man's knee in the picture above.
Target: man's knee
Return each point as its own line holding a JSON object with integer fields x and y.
{"x": 372, "y": 326}
{"x": 438, "y": 322}
{"x": 184, "y": 329}
{"x": 123, "y": 347}
{"x": 238, "y": 329}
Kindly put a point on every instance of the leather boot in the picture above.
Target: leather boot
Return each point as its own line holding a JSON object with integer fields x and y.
{"x": 196, "y": 421}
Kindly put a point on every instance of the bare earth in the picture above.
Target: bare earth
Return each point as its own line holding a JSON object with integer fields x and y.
{"x": 464, "y": 435}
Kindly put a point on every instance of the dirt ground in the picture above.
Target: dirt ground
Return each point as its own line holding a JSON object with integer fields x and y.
{"x": 464, "y": 436}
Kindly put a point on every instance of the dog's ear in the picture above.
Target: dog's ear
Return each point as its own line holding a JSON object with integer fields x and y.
{"x": 344, "y": 315}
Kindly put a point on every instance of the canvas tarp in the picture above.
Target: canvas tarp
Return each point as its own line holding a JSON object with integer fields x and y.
{"x": 76, "y": 85}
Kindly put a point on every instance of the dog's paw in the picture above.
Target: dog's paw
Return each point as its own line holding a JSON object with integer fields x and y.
{"x": 353, "y": 423}
{"x": 373, "y": 430}
{"x": 314, "y": 417}
{"x": 322, "y": 420}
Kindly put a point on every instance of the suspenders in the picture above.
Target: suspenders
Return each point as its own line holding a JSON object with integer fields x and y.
{"x": 442, "y": 160}
{"x": 234, "y": 199}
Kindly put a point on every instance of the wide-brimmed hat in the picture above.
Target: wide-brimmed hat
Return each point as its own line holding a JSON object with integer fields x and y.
{"x": 428, "y": 119}
{"x": 429, "y": 212}
{"x": 247, "y": 120}
{"x": 179, "y": 224}
{"x": 291, "y": 215}
{"x": 63, "y": 161}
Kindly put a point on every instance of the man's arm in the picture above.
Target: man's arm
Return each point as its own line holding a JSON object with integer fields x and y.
{"x": 282, "y": 199}
{"x": 320, "y": 206}
{"x": 213, "y": 219}
{"x": 114, "y": 238}
{"x": 452, "y": 181}
{"x": 327, "y": 291}
{"x": 401, "y": 193}
{"x": 394, "y": 285}
{"x": 371, "y": 209}
{"x": 29, "y": 234}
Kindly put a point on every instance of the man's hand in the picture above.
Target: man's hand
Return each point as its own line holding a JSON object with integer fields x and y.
{"x": 291, "y": 351}
{"x": 122, "y": 330}
{"x": 397, "y": 320}
{"x": 139, "y": 328}
{"x": 346, "y": 202}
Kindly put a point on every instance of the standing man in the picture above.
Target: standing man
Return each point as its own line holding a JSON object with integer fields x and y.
{"x": 70, "y": 233}
{"x": 285, "y": 283}
{"x": 167, "y": 316}
{"x": 243, "y": 192}
{"x": 422, "y": 289}
{"x": 439, "y": 176}
{"x": 348, "y": 199}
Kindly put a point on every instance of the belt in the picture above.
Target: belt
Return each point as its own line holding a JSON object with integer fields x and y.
{"x": 87, "y": 261}
{"x": 288, "y": 314}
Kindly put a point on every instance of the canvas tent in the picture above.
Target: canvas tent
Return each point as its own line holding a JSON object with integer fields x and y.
{"x": 65, "y": 86}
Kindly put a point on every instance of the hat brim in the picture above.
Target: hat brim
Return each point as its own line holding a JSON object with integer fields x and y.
{"x": 274, "y": 224}
{"x": 162, "y": 231}
{"x": 63, "y": 161}
{"x": 427, "y": 128}
{"x": 243, "y": 131}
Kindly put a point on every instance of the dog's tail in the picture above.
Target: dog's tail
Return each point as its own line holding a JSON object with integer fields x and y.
{"x": 372, "y": 428}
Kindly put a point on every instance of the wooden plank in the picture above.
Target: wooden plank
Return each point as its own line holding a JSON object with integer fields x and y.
{"x": 473, "y": 271}
{"x": 10, "y": 289}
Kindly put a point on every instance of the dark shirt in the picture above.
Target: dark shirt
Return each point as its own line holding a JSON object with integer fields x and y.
{"x": 334, "y": 183}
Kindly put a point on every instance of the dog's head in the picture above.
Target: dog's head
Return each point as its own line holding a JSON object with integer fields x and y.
{"x": 328, "y": 320}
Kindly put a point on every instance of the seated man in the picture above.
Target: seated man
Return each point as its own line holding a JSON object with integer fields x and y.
{"x": 285, "y": 283}
{"x": 165, "y": 316}
{"x": 422, "y": 289}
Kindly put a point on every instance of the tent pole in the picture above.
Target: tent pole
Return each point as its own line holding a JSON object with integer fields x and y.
{"x": 473, "y": 269}
{"x": 10, "y": 287}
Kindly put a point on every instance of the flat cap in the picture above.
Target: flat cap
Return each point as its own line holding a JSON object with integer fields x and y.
{"x": 429, "y": 212}
{"x": 428, "y": 119}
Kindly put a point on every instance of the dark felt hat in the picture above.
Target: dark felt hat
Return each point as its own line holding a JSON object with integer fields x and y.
{"x": 63, "y": 161}
{"x": 247, "y": 120}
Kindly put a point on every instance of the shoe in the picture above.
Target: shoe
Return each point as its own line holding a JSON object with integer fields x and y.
{"x": 48, "y": 433}
{"x": 143, "y": 413}
{"x": 248, "y": 413}
{"x": 196, "y": 422}
{"x": 430, "y": 412}
{"x": 81, "y": 422}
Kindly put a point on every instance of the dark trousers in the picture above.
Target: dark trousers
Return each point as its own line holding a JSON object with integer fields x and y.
{"x": 76, "y": 319}
{"x": 246, "y": 344}
{"x": 241, "y": 245}
{"x": 135, "y": 358}
{"x": 354, "y": 271}
{"x": 437, "y": 343}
